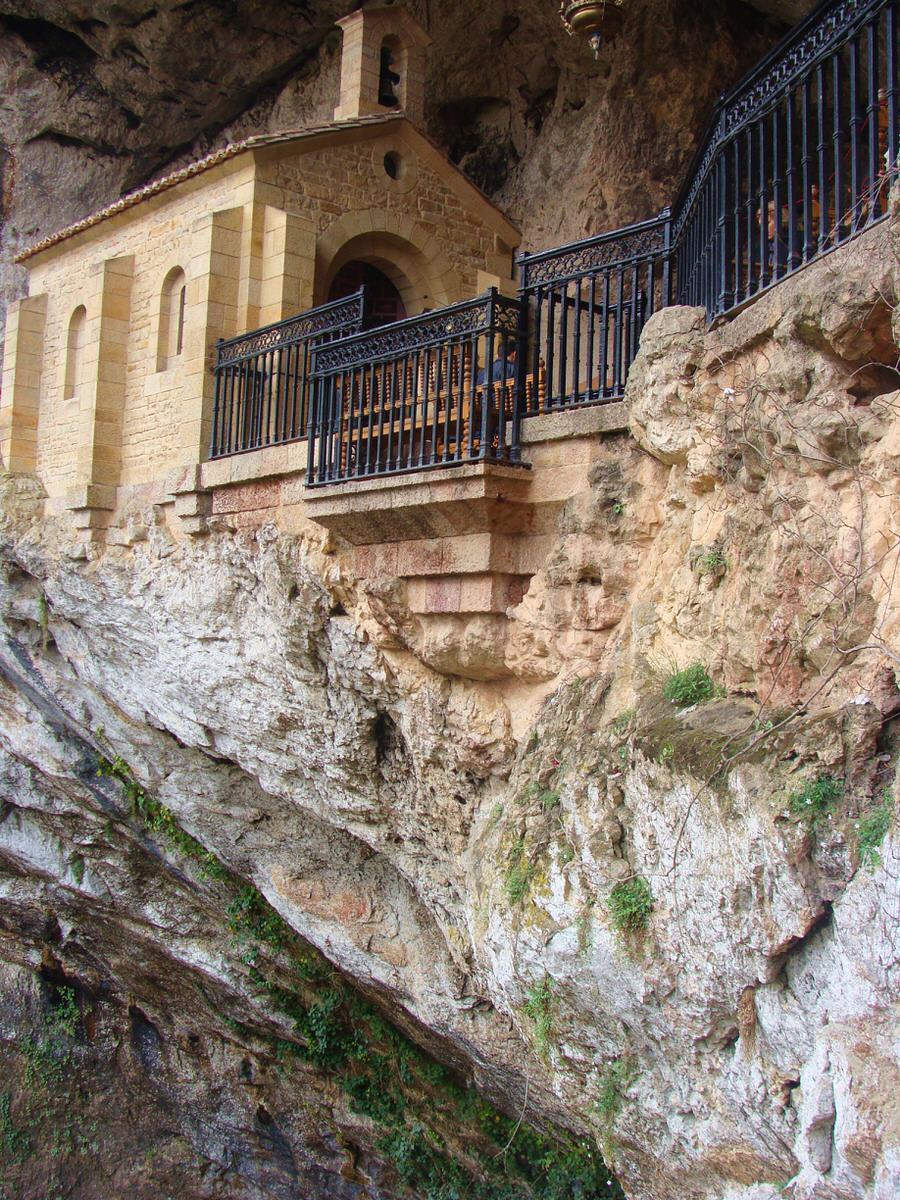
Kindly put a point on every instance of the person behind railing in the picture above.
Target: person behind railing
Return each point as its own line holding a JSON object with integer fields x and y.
{"x": 501, "y": 368}
{"x": 776, "y": 228}
{"x": 887, "y": 169}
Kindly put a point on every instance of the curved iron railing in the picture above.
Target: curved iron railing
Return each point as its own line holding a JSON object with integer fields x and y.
{"x": 584, "y": 306}
{"x": 797, "y": 159}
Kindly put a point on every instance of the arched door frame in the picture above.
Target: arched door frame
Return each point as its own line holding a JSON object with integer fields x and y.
{"x": 399, "y": 247}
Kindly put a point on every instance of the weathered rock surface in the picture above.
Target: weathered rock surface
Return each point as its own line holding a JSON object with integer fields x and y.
{"x": 453, "y": 847}
{"x": 458, "y": 859}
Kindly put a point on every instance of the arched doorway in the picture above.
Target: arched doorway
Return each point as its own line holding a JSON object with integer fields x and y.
{"x": 384, "y": 302}
{"x": 424, "y": 277}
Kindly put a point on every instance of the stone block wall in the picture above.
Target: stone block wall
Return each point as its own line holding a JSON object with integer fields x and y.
{"x": 258, "y": 237}
{"x": 127, "y": 421}
{"x": 445, "y": 249}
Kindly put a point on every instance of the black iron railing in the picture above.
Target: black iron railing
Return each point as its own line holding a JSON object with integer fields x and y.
{"x": 585, "y": 306}
{"x": 430, "y": 391}
{"x": 263, "y": 378}
{"x": 798, "y": 158}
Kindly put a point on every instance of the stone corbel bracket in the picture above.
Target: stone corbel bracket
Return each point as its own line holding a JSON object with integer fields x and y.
{"x": 91, "y": 505}
{"x": 193, "y": 502}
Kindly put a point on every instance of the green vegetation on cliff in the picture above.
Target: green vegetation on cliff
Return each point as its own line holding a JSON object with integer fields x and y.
{"x": 443, "y": 1140}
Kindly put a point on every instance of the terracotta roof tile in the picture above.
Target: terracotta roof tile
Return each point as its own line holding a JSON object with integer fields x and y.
{"x": 210, "y": 160}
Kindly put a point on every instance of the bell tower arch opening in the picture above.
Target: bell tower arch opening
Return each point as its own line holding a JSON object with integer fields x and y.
{"x": 382, "y": 63}
{"x": 392, "y": 73}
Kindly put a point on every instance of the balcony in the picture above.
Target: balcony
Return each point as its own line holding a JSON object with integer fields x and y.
{"x": 798, "y": 160}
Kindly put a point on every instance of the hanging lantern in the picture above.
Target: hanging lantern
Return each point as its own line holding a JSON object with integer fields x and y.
{"x": 596, "y": 18}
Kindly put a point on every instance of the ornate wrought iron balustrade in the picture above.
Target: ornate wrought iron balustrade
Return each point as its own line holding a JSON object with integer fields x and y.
{"x": 263, "y": 378}
{"x": 798, "y": 159}
{"x": 429, "y": 391}
{"x": 586, "y": 304}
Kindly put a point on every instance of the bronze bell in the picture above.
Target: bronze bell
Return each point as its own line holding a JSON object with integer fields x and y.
{"x": 596, "y": 18}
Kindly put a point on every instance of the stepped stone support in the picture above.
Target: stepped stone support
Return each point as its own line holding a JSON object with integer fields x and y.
{"x": 278, "y": 262}
{"x": 22, "y": 364}
{"x": 217, "y": 288}
{"x": 250, "y": 275}
{"x": 98, "y": 458}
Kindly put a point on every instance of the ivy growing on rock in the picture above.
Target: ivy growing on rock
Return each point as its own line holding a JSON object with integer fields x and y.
{"x": 436, "y": 1132}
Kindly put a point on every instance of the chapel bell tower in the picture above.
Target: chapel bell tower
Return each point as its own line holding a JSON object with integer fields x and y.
{"x": 382, "y": 63}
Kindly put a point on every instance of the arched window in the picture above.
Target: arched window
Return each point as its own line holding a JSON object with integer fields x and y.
{"x": 75, "y": 350}
{"x": 171, "y": 318}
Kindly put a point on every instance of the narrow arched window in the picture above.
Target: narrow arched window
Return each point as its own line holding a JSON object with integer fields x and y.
{"x": 171, "y": 318}
{"x": 75, "y": 351}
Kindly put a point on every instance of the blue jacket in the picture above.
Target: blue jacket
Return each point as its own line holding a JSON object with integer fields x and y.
{"x": 497, "y": 372}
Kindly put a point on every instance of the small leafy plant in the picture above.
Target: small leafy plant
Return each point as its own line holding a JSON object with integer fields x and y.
{"x": 816, "y": 798}
{"x": 158, "y": 819}
{"x": 538, "y": 1008}
{"x": 519, "y": 874}
{"x": 693, "y": 685}
{"x": 713, "y": 562}
{"x": 630, "y": 905}
{"x": 615, "y": 1080}
{"x": 15, "y": 1143}
{"x": 621, "y": 722}
{"x": 65, "y": 1015}
{"x": 529, "y": 793}
{"x": 249, "y": 916}
{"x": 872, "y": 829}
{"x": 517, "y": 882}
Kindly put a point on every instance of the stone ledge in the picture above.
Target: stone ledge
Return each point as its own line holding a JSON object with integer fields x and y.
{"x": 575, "y": 422}
{"x": 91, "y": 496}
{"x": 465, "y": 554}
{"x": 289, "y": 458}
{"x": 441, "y": 502}
{"x": 411, "y": 479}
{"x": 456, "y": 595}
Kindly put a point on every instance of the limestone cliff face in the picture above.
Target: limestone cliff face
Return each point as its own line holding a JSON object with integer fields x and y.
{"x": 661, "y": 914}
{"x": 333, "y": 920}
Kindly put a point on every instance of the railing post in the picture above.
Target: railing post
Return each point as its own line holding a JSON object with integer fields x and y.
{"x": 890, "y": 41}
{"x": 487, "y": 398}
{"x": 724, "y": 254}
{"x": 217, "y": 403}
{"x": 515, "y": 437}
{"x": 666, "y": 218}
